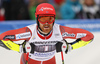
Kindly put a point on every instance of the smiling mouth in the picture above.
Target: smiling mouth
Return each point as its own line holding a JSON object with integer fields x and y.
{"x": 46, "y": 26}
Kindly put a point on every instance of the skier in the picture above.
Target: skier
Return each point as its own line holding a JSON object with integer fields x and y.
{"x": 42, "y": 40}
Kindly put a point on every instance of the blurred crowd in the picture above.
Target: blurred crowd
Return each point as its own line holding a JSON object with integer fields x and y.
{"x": 65, "y": 9}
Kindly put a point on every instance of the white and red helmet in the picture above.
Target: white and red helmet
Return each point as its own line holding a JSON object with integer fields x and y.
{"x": 45, "y": 9}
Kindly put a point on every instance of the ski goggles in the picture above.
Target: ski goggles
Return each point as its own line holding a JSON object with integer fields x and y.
{"x": 46, "y": 19}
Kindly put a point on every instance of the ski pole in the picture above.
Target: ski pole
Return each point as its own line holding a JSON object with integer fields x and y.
{"x": 27, "y": 58}
{"x": 62, "y": 57}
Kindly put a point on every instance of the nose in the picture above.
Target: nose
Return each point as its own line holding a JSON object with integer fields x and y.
{"x": 46, "y": 22}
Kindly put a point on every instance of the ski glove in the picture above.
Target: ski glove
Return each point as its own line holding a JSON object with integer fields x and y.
{"x": 63, "y": 46}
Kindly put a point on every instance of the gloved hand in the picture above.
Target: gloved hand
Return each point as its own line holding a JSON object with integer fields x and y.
{"x": 27, "y": 47}
{"x": 63, "y": 46}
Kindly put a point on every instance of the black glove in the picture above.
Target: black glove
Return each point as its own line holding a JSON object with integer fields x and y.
{"x": 27, "y": 47}
{"x": 63, "y": 46}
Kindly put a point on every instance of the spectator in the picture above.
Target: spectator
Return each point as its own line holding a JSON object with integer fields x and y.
{"x": 15, "y": 10}
{"x": 7, "y": 8}
{"x": 2, "y": 18}
{"x": 51, "y": 2}
{"x": 32, "y": 8}
{"x": 57, "y": 5}
{"x": 90, "y": 10}
{"x": 71, "y": 9}
{"x": 97, "y": 2}
{"x": 59, "y": 2}
{"x": 0, "y": 3}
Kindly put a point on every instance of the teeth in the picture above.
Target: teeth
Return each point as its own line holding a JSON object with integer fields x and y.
{"x": 46, "y": 26}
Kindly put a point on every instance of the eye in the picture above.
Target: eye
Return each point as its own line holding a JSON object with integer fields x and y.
{"x": 50, "y": 18}
{"x": 40, "y": 16}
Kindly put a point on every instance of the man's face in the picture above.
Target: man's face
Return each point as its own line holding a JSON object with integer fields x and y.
{"x": 46, "y": 23}
{"x": 89, "y": 2}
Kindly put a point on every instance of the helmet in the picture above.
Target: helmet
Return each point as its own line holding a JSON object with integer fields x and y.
{"x": 45, "y": 8}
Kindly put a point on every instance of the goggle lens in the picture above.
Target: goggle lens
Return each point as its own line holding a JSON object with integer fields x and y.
{"x": 46, "y": 19}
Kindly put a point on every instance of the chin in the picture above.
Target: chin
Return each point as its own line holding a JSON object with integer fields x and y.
{"x": 46, "y": 31}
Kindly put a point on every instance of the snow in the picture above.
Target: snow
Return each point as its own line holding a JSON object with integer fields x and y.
{"x": 89, "y": 54}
